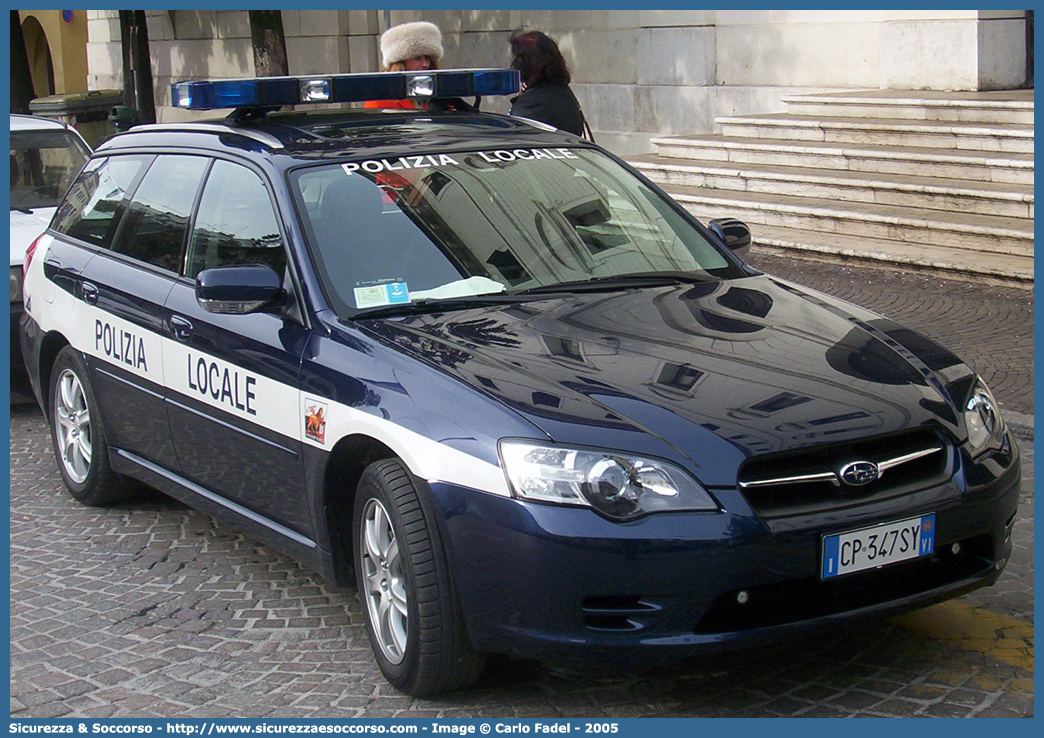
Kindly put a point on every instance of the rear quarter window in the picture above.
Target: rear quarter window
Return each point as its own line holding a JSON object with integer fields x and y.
{"x": 92, "y": 208}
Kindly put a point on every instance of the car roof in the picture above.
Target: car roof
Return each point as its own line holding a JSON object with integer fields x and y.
{"x": 35, "y": 123}
{"x": 329, "y": 135}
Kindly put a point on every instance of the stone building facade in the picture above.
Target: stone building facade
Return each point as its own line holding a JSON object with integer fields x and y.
{"x": 638, "y": 73}
{"x": 55, "y": 42}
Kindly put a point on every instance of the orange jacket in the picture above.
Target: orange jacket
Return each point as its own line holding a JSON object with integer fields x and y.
{"x": 406, "y": 104}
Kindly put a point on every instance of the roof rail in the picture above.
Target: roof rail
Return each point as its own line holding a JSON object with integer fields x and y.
{"x": 216, "y": 128}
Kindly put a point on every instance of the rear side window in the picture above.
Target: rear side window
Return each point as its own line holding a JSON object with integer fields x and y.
{"x": 91, "y": 209}
{"x": 235, "y": 223}
{"x": 156, "y": 223}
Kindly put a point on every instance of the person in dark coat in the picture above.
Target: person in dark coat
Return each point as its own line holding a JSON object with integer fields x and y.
{"x": 546, "y": 96}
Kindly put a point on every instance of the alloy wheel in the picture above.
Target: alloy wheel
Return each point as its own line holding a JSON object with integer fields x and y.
{"x": 72, "y": 425}
{"x": 383, "y": 574}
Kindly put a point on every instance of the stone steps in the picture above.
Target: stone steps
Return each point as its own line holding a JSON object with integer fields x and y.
{"x": 996, "y": 234}
{"x": 1009, "y": 106}
{"x": 931, "y": 180}
{"x": 933, "y": 193}
{"x": 1016, "y": 168}
{"x": 971, "y": 136}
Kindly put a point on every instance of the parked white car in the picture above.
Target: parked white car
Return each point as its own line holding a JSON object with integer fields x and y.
{"x": 45, "y": 157}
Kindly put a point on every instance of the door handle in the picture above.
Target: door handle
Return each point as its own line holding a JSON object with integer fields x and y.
{"x": 90, "y": 293}
{"x": 180, "y": 327}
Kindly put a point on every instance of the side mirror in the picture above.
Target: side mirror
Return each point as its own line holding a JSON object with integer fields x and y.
{"x": 734, "y": 233}
{"x": 239, "y": 289}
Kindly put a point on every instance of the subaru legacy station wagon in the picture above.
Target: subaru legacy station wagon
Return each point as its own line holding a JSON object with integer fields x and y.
{"x": 486, "y": 373}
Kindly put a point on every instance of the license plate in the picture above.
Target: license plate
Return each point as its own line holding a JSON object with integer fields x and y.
{"x": 878, "y": 545}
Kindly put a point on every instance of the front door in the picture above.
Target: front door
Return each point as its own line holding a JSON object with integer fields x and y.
{"x": 232, "y": 379}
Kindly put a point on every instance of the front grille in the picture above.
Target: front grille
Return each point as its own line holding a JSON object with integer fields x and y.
{"x": 811, "y": 480}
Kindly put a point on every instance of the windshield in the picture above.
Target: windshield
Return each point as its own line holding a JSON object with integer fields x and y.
{"x": 43, "y": 163}
{"x": 401, "y": 230}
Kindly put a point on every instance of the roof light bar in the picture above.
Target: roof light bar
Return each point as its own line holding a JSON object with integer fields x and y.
{"x": 342, "y": 88}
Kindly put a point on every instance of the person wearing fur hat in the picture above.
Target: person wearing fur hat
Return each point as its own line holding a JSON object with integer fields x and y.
{"x": 408, "y": 47}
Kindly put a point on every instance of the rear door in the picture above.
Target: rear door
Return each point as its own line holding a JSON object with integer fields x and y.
{"x": 232, "y": 379}
{"x": 132, "y": 212}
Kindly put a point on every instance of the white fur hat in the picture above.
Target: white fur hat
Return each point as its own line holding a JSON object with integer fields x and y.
{"x": 408, "y": 40}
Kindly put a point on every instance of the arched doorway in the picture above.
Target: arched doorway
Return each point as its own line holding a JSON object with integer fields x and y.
{"x": 41, "y": 65}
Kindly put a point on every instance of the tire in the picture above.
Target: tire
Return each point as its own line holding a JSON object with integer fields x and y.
{"x": 412, "y": 612}
{"x": 78, "y": 435}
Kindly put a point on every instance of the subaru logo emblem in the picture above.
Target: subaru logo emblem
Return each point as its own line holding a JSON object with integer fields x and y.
{"x": 859, "y": 473}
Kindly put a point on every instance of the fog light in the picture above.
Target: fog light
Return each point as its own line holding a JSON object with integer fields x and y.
{"x": 742, "y": 597}
{"x": 955, "y": 549}
{"x": 1000, "y": 564}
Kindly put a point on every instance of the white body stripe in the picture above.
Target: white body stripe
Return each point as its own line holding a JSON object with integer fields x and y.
{"x": 131, "y": 347}
{"x": 227, "y": 387}
{"x": 426, "y": 458}
{"x": 274, "y": 405}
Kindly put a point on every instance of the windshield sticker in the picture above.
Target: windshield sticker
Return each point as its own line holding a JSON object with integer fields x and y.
{"x": 376, "y": 295}
{"x": 376, "y": 166}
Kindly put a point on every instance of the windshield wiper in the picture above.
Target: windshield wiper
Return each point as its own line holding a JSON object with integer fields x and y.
{"x": 22, "y": 209}
{"x": 617, "y": 282}
{"x": 435, "y": 305}
{"x": 594, "y": 284}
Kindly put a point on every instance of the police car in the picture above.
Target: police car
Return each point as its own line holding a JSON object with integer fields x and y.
{"x": 498, "y": 380}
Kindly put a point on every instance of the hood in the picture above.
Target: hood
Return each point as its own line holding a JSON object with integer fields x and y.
{"x": 716, "y": 372}
{"x": 25, "y": 227}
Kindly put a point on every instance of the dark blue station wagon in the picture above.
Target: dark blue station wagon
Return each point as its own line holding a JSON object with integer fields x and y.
{"x": 501, "y": 382}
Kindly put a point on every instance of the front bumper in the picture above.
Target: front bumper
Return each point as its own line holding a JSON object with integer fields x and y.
{"x": 564, "y": 585}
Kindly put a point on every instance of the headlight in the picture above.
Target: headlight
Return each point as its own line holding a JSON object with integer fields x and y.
{"x": 617, "y": 485}
{"x": 16, "y": 284}
{"x": 983, "y": 419}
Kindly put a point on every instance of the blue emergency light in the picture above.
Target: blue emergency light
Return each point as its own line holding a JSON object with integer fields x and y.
{"x": 342, "y": 88}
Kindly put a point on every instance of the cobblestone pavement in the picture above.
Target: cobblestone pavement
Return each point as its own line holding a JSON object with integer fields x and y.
{"x": 154, "y": 610}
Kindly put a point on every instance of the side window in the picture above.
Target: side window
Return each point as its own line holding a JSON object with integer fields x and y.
{"x": 91, "y": 209}
{"x": 235, "y": 223}
{"x": 156, "y": 223}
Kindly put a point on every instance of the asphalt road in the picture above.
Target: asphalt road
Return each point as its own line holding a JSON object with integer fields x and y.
{"x": 153, "y": 610}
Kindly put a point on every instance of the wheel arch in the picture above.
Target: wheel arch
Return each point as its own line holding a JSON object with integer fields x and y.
{"x": 51, "y": 344}
{"x": 349, "y": 457}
